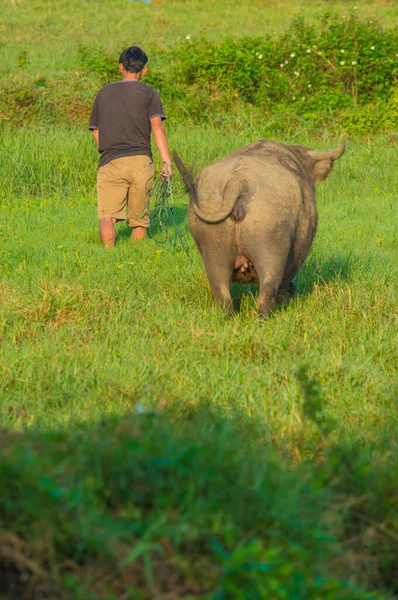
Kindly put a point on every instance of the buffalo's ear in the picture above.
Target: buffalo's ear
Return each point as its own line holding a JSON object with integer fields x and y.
{"x": 322, "y": 169}
{"x": 324, "y": 160}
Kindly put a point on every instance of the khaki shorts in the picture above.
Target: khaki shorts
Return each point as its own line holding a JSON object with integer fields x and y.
{"x": 126, "y": 182}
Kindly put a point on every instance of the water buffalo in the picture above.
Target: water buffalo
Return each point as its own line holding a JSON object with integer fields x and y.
{"x": 253, "y": 216}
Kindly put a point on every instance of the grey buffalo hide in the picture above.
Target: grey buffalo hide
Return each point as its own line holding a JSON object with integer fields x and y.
{"x": 253, "y": 216}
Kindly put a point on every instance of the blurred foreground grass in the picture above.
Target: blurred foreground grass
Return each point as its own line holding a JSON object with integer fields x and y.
{"x": 145, "y": 509}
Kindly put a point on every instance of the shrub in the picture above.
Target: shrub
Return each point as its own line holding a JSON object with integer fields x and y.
{"x": 53, "y": 100}
{"x": 372, "y": 118}
{"x": 336, "y": 65}
{"x": 139, "y": 504}
{"x": 95, "y": 59}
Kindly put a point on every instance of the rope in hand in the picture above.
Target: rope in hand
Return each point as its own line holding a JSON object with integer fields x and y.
{"x": 162, "y": 216}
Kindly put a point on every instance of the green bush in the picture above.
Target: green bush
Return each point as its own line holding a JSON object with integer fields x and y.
{"x": 95, "y": 59}
{"x": 195, "y": 503}
{"x": 372, "y": 118}
{"x": 334, "y": 66}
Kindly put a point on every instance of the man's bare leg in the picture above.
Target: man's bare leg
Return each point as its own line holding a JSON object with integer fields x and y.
{"x": 138, "y": 233}
{"x": 107, "y": 232}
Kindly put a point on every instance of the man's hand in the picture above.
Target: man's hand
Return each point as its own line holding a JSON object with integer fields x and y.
{"x": 159, "y": 134}
{"x": 166, "y": 171}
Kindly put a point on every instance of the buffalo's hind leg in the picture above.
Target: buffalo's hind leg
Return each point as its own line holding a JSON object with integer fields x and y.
{"x": 287, "y": 290}
{"x": 270, "y": 274}
{"x": 266, "y": 300}
{"x": 219, "y": 274}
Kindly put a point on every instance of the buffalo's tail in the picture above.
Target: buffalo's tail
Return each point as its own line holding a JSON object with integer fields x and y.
{"x": 186, "y": 175}
{"x": 214, "y": 208}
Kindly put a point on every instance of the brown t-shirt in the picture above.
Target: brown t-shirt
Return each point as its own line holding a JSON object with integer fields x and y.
{"x": 122, "y": 112}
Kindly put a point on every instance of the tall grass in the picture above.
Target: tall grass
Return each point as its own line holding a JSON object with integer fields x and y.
{"x": 46, "y": 161}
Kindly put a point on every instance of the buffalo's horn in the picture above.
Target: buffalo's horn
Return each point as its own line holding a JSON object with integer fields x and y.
{"x": 329, "y": 154}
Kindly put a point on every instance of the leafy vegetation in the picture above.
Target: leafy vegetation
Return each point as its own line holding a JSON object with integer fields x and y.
{"x": 344, "y": 68}
{"x": 123, "y": 505}
{"x": 310, "y": 71}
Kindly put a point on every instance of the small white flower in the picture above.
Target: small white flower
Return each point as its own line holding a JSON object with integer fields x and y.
{"x": 297, "y": 73}
{"x": 342, "y": 62}
{"x": 188, "y": 37}
{"x": 372, "y": 47}
{"x": 308, "y": 51}
{"x": 396, "y": 55}
{"x": 309, "y": 85}
{"x": 260, "y": 56}
{"x": 294, "y": 97}
{"x": 282, "y": 65}
{"x": 293, "y": 54}
{"x": 286, "y": 62}
{"x": 354, "y": 62}
{"x": 257, "y": 53}
{"x": 342, "y": 51}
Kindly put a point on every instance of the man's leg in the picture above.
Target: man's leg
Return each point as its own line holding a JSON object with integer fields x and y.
{"x": 112, "y": 188}
{"x": 138, "y": 233}
{"x": 141, "y": 182}
{"x": 107, "y": 232}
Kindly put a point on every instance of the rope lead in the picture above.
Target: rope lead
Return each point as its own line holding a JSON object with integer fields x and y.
{"x": 162, "y": 217}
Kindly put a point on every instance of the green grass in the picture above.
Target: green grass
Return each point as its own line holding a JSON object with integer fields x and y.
{"x": 264, "y": 446}
{"x": 85, "y": 331}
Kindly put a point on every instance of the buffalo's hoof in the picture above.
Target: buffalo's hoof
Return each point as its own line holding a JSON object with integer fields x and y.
{"x": 293, "y": 289}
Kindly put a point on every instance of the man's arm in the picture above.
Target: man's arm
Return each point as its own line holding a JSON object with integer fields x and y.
{"x": 159, "y": 135}
{"x": 95, "y": 133}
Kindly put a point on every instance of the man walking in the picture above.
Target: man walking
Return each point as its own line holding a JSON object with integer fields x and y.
{"x": 122, "y": 117}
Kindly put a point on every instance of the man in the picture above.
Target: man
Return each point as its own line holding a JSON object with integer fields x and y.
{"x": 122, "y": 117}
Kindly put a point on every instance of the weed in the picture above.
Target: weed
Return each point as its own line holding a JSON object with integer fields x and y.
{"x": 23, "y": 59}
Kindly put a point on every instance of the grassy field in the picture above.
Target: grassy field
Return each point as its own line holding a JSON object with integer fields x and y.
{"x": 140, "y": 324}
{"x": 135, "y": 415}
